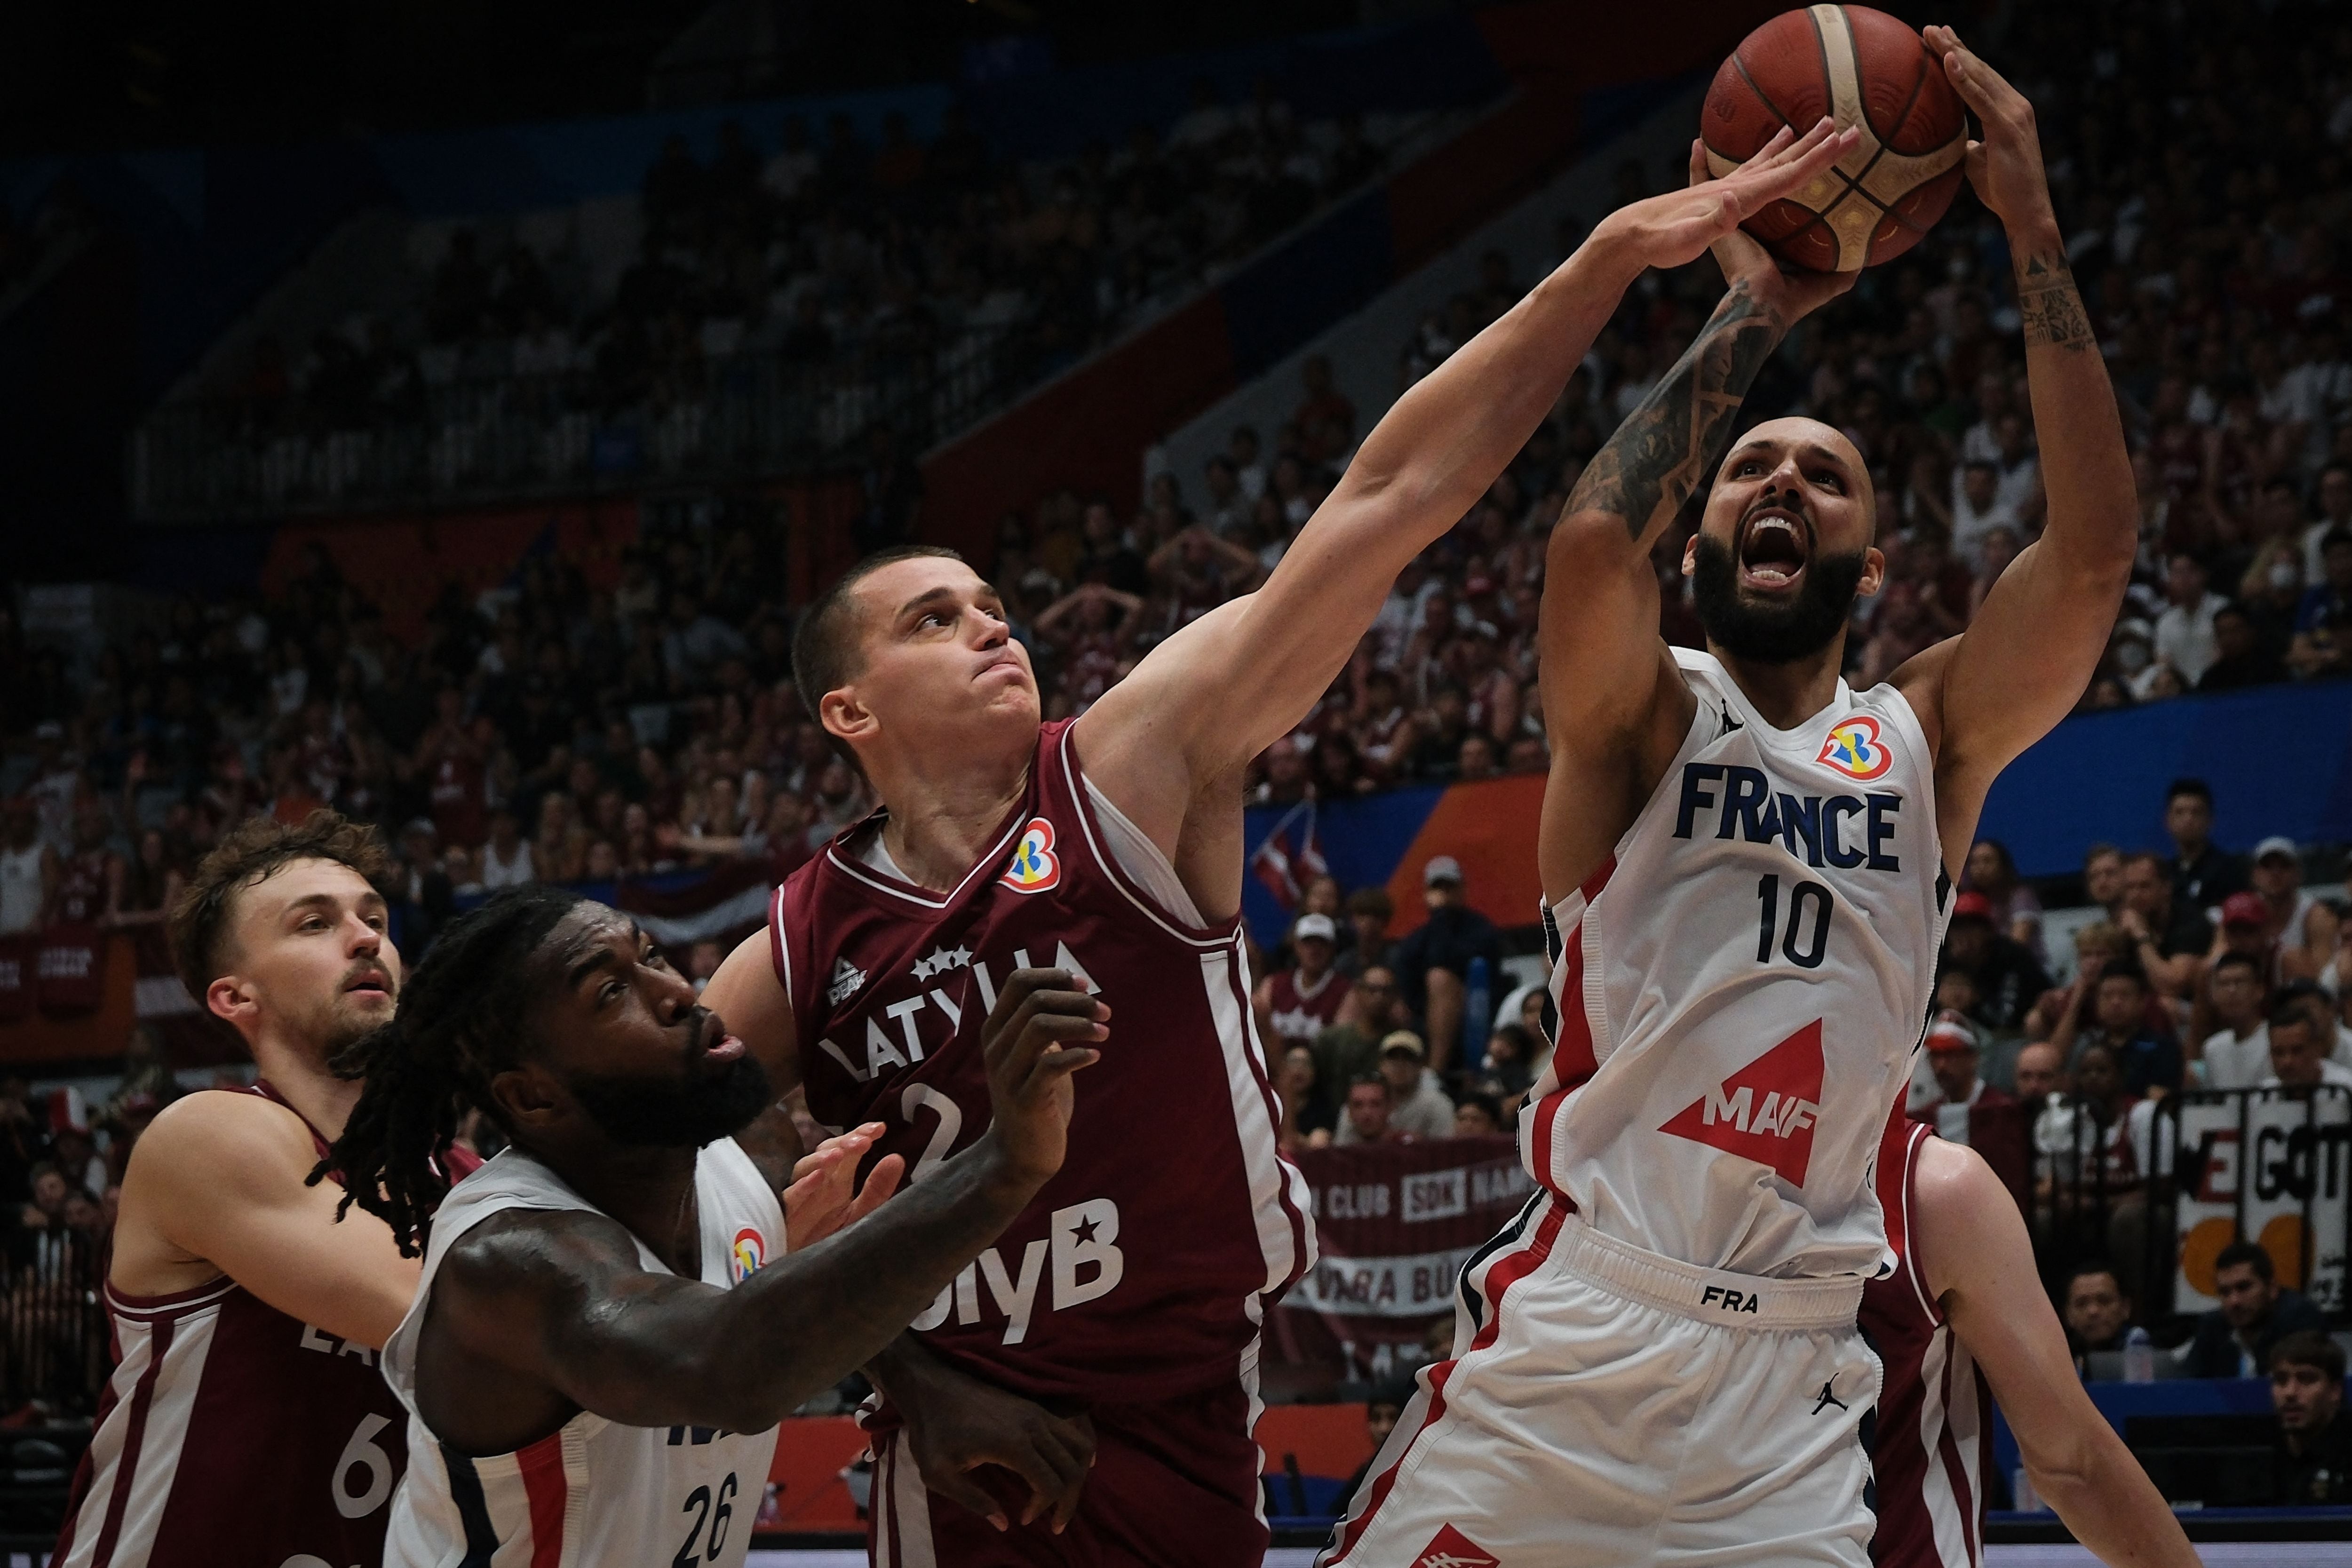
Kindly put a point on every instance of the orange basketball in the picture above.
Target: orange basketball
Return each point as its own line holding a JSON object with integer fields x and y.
{"x": 1861, "y": 67}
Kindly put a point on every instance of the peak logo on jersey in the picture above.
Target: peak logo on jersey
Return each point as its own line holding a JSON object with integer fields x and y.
{"x": 847, "y": 978}
{"x": 1452, "y": 1548}
{"x": 1854, "y": 749}
{"x": 1035, "y": 867}
{"x": 1766, "y": 1111}
{"x": 747, "y": 1256}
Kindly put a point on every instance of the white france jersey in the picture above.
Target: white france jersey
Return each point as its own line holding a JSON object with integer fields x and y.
{"x": 592, "y": 1492}
{"x": 1740, "y": 986}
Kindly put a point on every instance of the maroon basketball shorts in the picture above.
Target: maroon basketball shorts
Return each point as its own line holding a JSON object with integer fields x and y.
{"x": 1173, "y": 1486}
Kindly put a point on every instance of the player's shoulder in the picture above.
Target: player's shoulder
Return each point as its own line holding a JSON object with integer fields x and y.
{"x": 527, "y": 1249}
{"x": 215, "y": 1136}
{"x": 1960, "y": 1211}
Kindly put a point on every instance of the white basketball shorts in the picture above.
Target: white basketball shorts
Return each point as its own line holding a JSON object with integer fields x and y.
{"x": 1608, "y": 1406}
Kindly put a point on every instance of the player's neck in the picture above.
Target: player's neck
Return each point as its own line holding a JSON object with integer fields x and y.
{"x": 939, "y": 823}
{"x": 649, "y": 1191}
{"x": 1785, "y": 695}
{"x": 302, "y": 1078}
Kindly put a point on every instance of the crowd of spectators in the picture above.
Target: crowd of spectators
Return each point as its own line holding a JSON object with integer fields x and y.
{"x": 553, "y": 729}
{"x": 826, "y": 252}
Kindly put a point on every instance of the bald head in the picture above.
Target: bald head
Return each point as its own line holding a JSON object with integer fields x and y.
{"x": 2038, "y": 1067}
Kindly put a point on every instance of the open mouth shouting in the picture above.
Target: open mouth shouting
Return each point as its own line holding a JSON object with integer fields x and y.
{"x": 1776, "y": 542}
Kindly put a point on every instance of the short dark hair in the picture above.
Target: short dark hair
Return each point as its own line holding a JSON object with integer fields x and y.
{"x": 2308, "y": 1347}
{"x": 2084, "y": 1270}
{"x": 2334, "y": 537}
{"x": 1376, "y": 1080}
{"x": 1372, "y": 901}
{"x": 2250, "y": 1253}
{"x": 2233, "y": 958}
{"x": 2291, "y": 1004}
{"x": 824, "y": 638}
{"x": 2197, "y": 787}
{"x": 2125, "y": 971}
{"x": 251, "y": 852}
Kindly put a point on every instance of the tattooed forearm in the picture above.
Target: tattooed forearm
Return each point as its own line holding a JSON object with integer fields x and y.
{"x": 2049, "y": 304}
{"x": 1669, "y": 444}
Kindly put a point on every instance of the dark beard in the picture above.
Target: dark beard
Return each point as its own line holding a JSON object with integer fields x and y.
{"x": 638, "y": 1114}
{"x": 1776, "y": 634}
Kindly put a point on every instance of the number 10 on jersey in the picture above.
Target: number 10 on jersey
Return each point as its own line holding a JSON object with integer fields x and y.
{"x": 1805, "y": 929}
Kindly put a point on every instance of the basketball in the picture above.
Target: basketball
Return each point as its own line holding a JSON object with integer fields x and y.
{"x": 1861, "y": 67}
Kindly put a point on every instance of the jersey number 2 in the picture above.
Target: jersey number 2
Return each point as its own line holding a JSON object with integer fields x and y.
{"x": 1768, "y": 893}
{"x": 699, "y": 1504}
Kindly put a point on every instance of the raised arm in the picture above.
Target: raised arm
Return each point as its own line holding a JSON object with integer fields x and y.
{"x": 1612, "y": 695}
{"x": 1241, "y": 676}
{"x": 1987, "y": 695}
{"x": 1979, "y": 1262}
{"x": 555, "y": 1309}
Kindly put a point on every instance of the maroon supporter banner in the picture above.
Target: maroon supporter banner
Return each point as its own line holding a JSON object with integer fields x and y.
{"x": 1395, "y": 1224}
{"x": 69, "y": 969}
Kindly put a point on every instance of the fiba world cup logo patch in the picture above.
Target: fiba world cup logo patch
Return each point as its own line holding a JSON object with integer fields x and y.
{"x": 1035, "y": 867}
{"x": 747, "y": 1256}
{"x": 1854, "y": 749}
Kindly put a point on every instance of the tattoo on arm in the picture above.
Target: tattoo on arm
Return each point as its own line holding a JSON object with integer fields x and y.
{"x": 2049, "y": 303}
{"x": 1669, "y": 444}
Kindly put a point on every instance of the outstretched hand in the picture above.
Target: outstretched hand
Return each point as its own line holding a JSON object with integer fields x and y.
{"x": 2006, "y": 166}
{"x": 824, "y": 1196}
{"x": 1744, "y": 259}
{"x": 1671, "y": 230}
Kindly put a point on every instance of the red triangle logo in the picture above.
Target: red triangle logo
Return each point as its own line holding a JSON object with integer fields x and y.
{"x": 1452, "y": 1548}
{"x": 1766, "y": 1111}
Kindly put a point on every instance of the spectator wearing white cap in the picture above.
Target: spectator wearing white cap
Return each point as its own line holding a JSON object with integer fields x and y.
{"x": 1296, "y": 1005}
{"x": 2277, "y": 878}
{"x": 1417, "y": 1106}
{"x": 1433, "y": 963}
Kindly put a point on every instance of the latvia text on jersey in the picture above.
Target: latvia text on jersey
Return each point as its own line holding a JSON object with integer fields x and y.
{"x": 1142, "y": 1270}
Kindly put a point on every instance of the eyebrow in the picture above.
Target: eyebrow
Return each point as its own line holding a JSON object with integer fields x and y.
{"x": 370, "y": 899}
{"x": 986, "y": 590}
{"x": 604, "y": 957}
{"x": 1811, "y": 449}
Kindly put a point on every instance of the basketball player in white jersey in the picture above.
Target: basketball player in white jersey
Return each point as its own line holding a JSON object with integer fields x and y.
{"x": 908, "y": 662}
{"x": 607, "y": 1328}
{"x": 1745, "y": 870}
{"x": 1963, "y": 1320}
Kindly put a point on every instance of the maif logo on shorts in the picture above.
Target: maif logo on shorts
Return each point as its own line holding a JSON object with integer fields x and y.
{"x": 1854, "y": 749}
{"x": 1035, "y": 867}
{"x": 1452, "y": 1548}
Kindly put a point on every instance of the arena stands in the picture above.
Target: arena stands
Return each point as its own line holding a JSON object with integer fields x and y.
{"x": 624, "y": 718}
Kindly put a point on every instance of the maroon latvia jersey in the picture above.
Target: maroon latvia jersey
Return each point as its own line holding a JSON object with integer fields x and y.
{"x": 1299, "y": 1012}
{"x": 233, "y": 1436}
{"x": 1142, "y": 1270}
{"x": 1931, "y": 1440}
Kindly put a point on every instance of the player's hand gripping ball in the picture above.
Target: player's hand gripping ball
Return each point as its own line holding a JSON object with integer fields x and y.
{"x": 1861, "y": 68}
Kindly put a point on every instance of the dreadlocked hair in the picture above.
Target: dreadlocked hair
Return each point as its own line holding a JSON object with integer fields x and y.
{"x": 463, "y": 1018}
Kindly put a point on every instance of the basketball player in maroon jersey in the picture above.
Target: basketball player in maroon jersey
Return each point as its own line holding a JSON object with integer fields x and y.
{"x": 245, "y": 1425}
{"x": 245, "y": 1422}
{"x": 1961, "y": 1320}
{"x": 1121, "y": 1311}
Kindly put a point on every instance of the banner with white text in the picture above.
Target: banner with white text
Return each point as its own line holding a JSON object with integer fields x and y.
{"x": 1395, "y": 1224}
